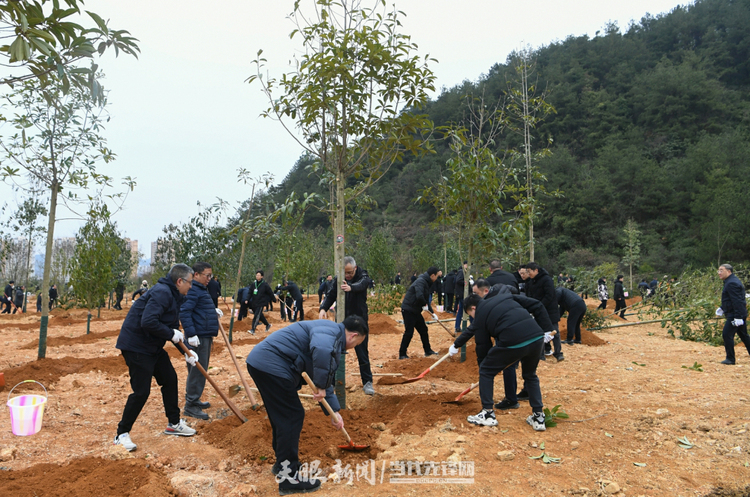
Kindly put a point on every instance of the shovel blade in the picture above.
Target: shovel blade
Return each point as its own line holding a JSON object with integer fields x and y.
{"x": 351, "y": 446}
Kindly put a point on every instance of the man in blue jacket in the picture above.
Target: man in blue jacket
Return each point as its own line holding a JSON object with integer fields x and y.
{"x": 200, "y": 322}
{"x": 734, "y": 309}
{"x": 416, "y": 300}
{"x": 276, "y": 366}
{"x": 151, "y": 321}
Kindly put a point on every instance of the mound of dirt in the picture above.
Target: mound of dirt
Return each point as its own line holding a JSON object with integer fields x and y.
{"x": 451, "y": 369}
{"x": 587, "y": 337}
{"x": 60, "y": 341}
{"x": 47, "y": 371}
{"x": 87, "y": 477}
{"x": 382, "y": 324}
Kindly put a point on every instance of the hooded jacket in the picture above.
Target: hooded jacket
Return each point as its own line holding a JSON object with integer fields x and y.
{"x": 260, "y": 294}
{"x": 499, "y": 276}
{"x": 418, "y": 295}
{"x": 355, "y": 300}
{"x": 567, "y": 300}
{"x": 308, "y": 346}
{"x": 542, "y": 288}
{"x": 152, "y": 319}
{"x": 619, "y": 290}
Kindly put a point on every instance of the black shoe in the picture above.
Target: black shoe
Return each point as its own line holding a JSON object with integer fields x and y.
{"x": 194, "y": 412}
{"x": 560, "y": 357}
{"x": 728, "y": 362}
{"x": 428, "y": 354}
{"x": 569, "y": 342}
{"x": 505, "y": 404}
{"x": 301, "y": 487}
{"x": 403, "y": 356}
{"x": 578, "y": 342}
{"x": 276, "y": 468}
{"x": 523, "y": 395}
{"x": 203, "y": 405}
{"x": 268, "y": 327}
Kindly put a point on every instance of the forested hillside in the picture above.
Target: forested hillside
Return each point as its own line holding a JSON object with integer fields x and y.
{"x": 651, "y": 123}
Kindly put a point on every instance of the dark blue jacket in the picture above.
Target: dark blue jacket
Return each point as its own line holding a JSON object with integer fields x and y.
{"x": 418, "y": 295}
{"x": 542, "y": 288}
{"x": 152, "y": 319}
{"x": 733, "y": 298}
{"x": 567, "y": 300}
{"x": 311, "y": 346}
{"x": 198, "y": 314}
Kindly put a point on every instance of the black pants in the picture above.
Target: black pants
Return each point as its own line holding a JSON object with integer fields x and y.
{"x": 448, "y": 302}
{"x": 258, "y": 311}
{"x": 143, "y": 367}
{"x": 7, "y": 307}
{"x": 411, "y": 321}
{"x": 440, "y": 298}
{"x": 728, "y": 334}
{"x": 243, "y": 312}
{"x": 620, "y": 306}
{"x": 320, "y": 296}
{"x": 285, "y": 412}
{"x": 299, "y": 310}
{"x": 363, "y": 357}
{"x": 498, "y": 359}
{"x": 511, "y": 383}
{"x": 575, "y": 316}
{"x": 603, "y": 305}
{"x": 118, "y": 301}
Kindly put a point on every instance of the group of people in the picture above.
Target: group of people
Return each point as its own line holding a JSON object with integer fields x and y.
{"x": 13, "y": 297}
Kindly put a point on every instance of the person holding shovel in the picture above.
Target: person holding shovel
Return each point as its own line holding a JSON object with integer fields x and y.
{"x": 416, "y": 300}
{"x": 261, "y": 295}
{"x": 151, "y": 321}
{"x": 276, "y": 366}
{"x": 518, "y": 337}
{"x": 200, "y": 322}
{"x": 734, "y": 309}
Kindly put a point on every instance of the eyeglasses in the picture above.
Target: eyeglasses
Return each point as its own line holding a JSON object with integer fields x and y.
{"x": 189, "y": 282}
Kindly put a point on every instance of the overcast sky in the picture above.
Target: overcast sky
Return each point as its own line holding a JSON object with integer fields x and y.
{"x": 183, "y": 121}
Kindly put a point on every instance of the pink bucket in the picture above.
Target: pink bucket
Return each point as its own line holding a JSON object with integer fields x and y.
{"x": 26, "y": 411}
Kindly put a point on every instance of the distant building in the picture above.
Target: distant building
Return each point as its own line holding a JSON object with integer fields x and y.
{"x": 132, "y": 245}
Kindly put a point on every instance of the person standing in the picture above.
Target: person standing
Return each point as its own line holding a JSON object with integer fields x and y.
{"x": 521, "y": 278}
{"x": 653, "y": 286}
{"x": 18, "y": 301}
{"x": 498, "y": 275}
{"x": 397, "y": 280}
{"x": 321, "y": 289}
{"x": 734, "y": 309}
{"x": 540, "y": 286}
{"x": 602, "y": 292}
{"x": 119, "y": 294}
{"x": 276, "y": 366}
{"x": 570, "y": 302}
{"x": 52, "y": 296}
{"x": 294, "y": 292}
{"x": 449, "y": 285}
{"x": 150, "y": 323}
{"x": 200, "y": 323}
{"x": 356, "y": 282}
{"x": 214, "y": 290}
{"x": 416, "y": 300}
{"x": 459, "y": 291}
{"x": 518, "y": 337}
{"x": 620, "y": 297}
{"x": 643, "y": 288}
{"x": 8, "y": 294}
{"x": 261, "y": 295}
{"x": 243, "y": 297}
{"x": 437, "y": 287}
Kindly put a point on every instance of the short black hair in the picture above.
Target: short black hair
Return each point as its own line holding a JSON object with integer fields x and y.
{"x": 472, "y": 300}
{"x": 432, "y": 270}
{"x": 356, "y": 324}
{"x": 533, "y": 266}
{"x": 11, "y": 282}
{"x": 199, "y": 267}
{"x": 260, "y": 271}
{"x": 619, "y": 276}
{"x": 482, "y": 283}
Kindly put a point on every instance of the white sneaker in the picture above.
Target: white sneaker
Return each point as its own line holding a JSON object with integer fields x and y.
{"x": 124, "y": 440}
{"x": 536, "y": 420}
{"x": 485, "y": 418}
{"x": 181, "y": 429}
{"x": 368, "y": 389}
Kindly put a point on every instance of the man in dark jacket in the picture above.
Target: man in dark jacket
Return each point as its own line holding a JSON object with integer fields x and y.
{"x": 200, "y": 322}
{"x": 243, "y": 297}
{"x": 518, "y": 337}
{"x": 459, "y": 289}
{"x": 52, "y": 296}
{"x": 119, "y": 294}
{"x": 141, "y": 290}
{"x": 653, "y": 285}
{"x": 449, "y": 285}
{"x": 569, "y": 301}
{"x": 437, "y": 287}
{"x": 620, "y": 297}
{"x": 261, "y": 295}
{"x": 294, "y": 292}
{"x": 416, "y": 300}
{"x": 150, "y": 322}
{"x": 214, "y": 290}
{"x": 18, "y": 301}
{"x": 276, "y": 366}
{"x": 497, "y": 275}
{"x": 540, "y": 286}
{"x": 643, "y": 288}
{"x": 521, "y": 277}
{"x": 355, "y": 286}
{"x": 8, "y": 294}
{"x": 734, "y": 309}
{"x": 397, "y": 279}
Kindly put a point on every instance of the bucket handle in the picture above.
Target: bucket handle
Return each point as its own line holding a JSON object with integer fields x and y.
{"x": 46, "y": 395}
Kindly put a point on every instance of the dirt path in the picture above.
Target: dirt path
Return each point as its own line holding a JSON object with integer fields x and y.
{"x": 629, "y": 400}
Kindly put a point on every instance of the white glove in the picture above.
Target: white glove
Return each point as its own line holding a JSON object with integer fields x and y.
{"x": 132, "y": 302}
{"x": 194, "y": 341}
{"x": 178, "y": 336}
{"x": 191, "y": 357}
{"x": 435, "y": 317}
{"x": 425, "y": 308}
{"x": 452, "y": 351}
{"x": 219, "y": 312}
{"x": 719, "y": 311}
{"x": 738, "y": 322}
{"x": 548, "y": 336}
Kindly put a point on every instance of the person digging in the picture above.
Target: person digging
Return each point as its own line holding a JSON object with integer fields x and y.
{"x": 518, "y": 337}
{"x": 276, "y": 366}
{"x": 151, "y": 322}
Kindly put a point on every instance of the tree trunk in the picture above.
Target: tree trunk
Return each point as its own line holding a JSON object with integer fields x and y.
{"x": 47, "y": 268}
{"x": 338, "y": 247}
{"x": 239, "y": 269}
{"x": 28, "y": 267}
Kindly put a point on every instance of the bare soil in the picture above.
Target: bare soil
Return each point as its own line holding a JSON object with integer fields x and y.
{"x": 628, "y": 391}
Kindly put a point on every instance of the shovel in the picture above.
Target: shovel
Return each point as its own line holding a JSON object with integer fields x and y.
{"x": 234, "y": 408}
{"x": 445, "y": 328}
{"x": 396, "y": 381}
{"x": 256, "y": 406}
{"x": 351, "y": 445}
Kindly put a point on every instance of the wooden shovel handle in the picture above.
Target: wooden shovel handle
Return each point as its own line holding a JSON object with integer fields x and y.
{"x": 236, "y": 365}
{"x": 231, "y": 405}
{"x": 325, "y": 403}
{"x": 439, "y": 361}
